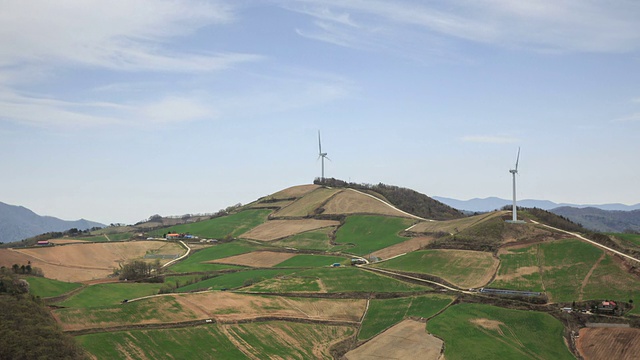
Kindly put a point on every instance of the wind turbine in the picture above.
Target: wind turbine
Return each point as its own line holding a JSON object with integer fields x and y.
{"x": 514, "y": 172}
{"x": 321, "y": 155}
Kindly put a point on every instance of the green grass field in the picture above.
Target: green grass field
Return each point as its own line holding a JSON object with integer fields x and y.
{"x": 285, "y": 340}
{"x": 609, "y": 281}
{"x": 196, "y": 261}
{"x": 385, "y": 313}
{"x": 519, "y": 270}
{"x": 368, "y": 233}
{"x": 476, "y": 331}
{"x": 162, "y": 309}
{"x": 332, "y": 280}
{"x": 566, "y": 264}
{"x": 462, "y": 268}
{"x": 109, "y": 294}
{"x": 629, "y": 239}
{"x": 231, "y": 225}
{"x": 202, "y": 342}
{"x": 311, "y": 260}
{"x": 43, "y": 287}
{"x": 236, "y": 279}
{"x": 310, "y": 240}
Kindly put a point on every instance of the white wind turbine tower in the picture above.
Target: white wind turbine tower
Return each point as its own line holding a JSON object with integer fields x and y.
{"x": 513, "y": 173}
{"x": 321, "y": 155}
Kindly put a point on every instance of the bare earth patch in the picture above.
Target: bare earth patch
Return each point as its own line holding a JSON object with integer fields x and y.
{"x": 406, "y": 340}
{"x": 67, "y": 241}
{"x": 294, "y": 191}
{"x": 354, "y": 202}
{"x": 307, "y": 204}
{"x": 279, "y": 229}
{"x": 85, "y": 261}
{"x": 454, "y": 226}
{"x": 403, "y": 247}
{"x": 520, "y": 272}
{"x": 256, "y": 259}
{"x": 609, "y": 343}
{"x": 226, "y": 306}
{"x": 489, "y": 324}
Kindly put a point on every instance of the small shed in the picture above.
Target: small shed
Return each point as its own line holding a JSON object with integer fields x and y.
{"x": 43, "y": 242}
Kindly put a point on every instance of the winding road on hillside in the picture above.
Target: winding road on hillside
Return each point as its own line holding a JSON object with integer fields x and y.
{"x": 589, "y": 241}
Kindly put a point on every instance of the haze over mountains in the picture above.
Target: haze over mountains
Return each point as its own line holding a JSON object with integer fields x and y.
{"x": 18, "y": 222}
{"x": 493, "y": 203}
{"x": 604, "y": 218}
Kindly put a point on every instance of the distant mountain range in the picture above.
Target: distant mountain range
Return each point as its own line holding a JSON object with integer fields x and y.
{"x": 18, "y": 222}
{"x": 604, "y": 218}
{"x": 493, "y": 203}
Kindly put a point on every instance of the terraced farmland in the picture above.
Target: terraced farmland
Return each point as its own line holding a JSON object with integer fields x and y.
{"x": 463, "y": 268}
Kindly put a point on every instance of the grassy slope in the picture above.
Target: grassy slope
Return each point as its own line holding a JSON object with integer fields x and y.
{"x": 385, "y": 313}
{"x": 204, "y": 342}
{"x": 310, "y": 240}
{"x": 195, "y": 261}
{"x": 313, "y": 261}
{"x": 284, "y": 340}
{"x": 517, "y": 259}
{"x": 233, "y": 225}
{"x": 343, "y": 279}
{"x": 43, "y": 287}
{"x": 457, "y": 267}
{"x": 370, "y": 233}
{"x": 236, "y": 279}
{"x": 566, "y": 263}
{"x": 521, "y": 334}
{"x": 109, "y": 294}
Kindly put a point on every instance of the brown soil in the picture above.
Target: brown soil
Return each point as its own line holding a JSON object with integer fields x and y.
{"x": 226, "y": 306}
{"x": 403, "y": 247}
{"x": 454, "y": 226}
{"x": 609, "y": 343}
{"x": 67, "y": 241}
{"x": 278, "y": 229}
{"x": 306, "y": 205}
{"x": 84, "y": 261}
{"x": 353, "y": 202}
{"x": 489, "y": 324}
{"x": 294, "y": 192}
{"x": 256, "y": 259}
{"x": 406, "y": 340}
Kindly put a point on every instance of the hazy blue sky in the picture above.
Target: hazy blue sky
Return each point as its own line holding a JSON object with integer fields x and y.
{"x": 118, "y": 110}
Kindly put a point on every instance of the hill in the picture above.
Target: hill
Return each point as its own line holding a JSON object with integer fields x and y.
{"x": 602, "y": 220}
{"x": 319, "y": 271}
{"x": 17, "y": 223}
{"x": 404, "y": 199}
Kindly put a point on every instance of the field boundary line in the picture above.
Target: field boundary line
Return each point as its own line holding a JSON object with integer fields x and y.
{"x": 589, "y": 241}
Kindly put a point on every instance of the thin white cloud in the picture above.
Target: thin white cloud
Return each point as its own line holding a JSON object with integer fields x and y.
{"x": 630, "y": 118}
{"x": 123, "y": 35}
{"x": 491, "y": 139}
{"x": 547, "y": 25}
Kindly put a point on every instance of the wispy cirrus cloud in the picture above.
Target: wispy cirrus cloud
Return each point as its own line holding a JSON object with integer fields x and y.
{"x": 124, "y": 35}
{"x": 548, "y": 25}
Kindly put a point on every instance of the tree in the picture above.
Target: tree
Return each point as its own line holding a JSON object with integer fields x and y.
{"x": 15, "y": 268}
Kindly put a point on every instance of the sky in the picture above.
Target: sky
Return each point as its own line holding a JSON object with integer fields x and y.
{"x": 114, "y": 111}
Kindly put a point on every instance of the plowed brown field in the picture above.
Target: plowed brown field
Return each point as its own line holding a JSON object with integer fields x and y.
{"x": 406, "y": 340}
{"x": 308, "y": 204}
{"x": 353, "y": 202}
{"x": 403, "y": 247}
{"x": 609, "y": 343}
{"x": 279, "y": 229}
{"x": 85, "y": 261}
{"x": 294, "y": 192}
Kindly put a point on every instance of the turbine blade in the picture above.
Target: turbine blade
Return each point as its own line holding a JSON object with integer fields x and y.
{"x": 319, "y": 144}
{"x": 326, "y": 157}
{"x": 517, "y": 159}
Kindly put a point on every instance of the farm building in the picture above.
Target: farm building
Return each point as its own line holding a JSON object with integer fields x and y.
{"x": 607, "y": 307}
{"x": 43, "y": 243}
{"x": 173, "y": 236}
